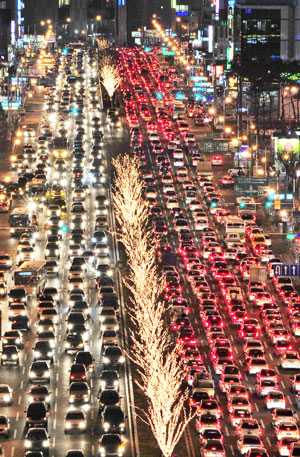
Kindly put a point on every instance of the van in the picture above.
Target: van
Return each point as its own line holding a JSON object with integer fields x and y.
{"x": 233, "y": 238}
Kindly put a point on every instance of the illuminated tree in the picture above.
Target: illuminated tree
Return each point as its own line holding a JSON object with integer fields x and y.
{"x": 110, "y": 78}
{"x": 103, "y": 44}
{"x": 160, "y": 369}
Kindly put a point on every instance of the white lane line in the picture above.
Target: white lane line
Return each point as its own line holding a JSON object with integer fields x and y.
{"x": 55, "y": 408}
{"x": 282, "y": 384}
{"x": 256, "y": 407}
{"x": 231, "y": 449}
{"x": 271, "y": 357}
{"x": 15, "y": 434}
{"x": 226, "y": 431}
{"x": 23, "y": 370}
{"x": 12, "y": 452}
{"x": 56, "y": 376}
{"x": 268, "y": 441}
{"x": 54, "y": 423}
{"x": 19, "y": 400}
{"x": 17, "y": 415}
{"x": 22, "y": 385}
{"x": 56, "y": 391}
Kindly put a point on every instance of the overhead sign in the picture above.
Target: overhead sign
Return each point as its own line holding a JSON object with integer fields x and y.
{"x": 168, "y": 53}
{"x": 182, "y": 13}
{"x": 281, "y": 269}
{"x": 250, "y": 186}
{"x": 288, "y": 145}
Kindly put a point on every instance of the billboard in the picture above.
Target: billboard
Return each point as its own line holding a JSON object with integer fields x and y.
{"x": 288, "y": 145}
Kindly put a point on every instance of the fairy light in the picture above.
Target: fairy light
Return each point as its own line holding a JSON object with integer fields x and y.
{"x": 161, "y": 374}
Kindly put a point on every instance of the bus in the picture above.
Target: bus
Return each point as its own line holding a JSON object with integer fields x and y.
{"x": 246, "y": 205}
{"x": 18, "y": 221}
{"x": 246, "y": 209}
{"x": 32, "y": 276}
{"x": 234, "y": 224}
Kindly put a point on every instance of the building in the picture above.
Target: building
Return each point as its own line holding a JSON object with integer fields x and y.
{"x": 268, "y": 28}
{"x": 72, "y": 19}
{"x": 36, "y": 14}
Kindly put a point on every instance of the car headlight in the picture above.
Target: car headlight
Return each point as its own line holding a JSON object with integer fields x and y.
{"x": 50, "y": 354}
{"x": 122, "y": 359}
{"x": 102, "y": 450}
{"x": 45, "y": 443}
{"x": 122, "y": 426}
{"x": 116, "y": 383}
{"x": 68, "y": 425}
{"x": 120, "y": 450}
{"x": 81, "y": 424}
{"x": 5, "y": 341}
{"x": 32, "y": 374}
{"x": 103, "y": 384}
{"x": 106, "y": 426}
{"x": 47, "y": 251}
{"x": 4, "y": 356}
{"x": 105, "y": 360}
{"x": 55, "y": 269}
{"x": 14, "y": 356}
{"x": 47, "y": 374}
{"x": 6, "y": 398}
{"x": 27, "y": 444}
{"x": 71, "y": 399}
{"x": 37, "y": 354}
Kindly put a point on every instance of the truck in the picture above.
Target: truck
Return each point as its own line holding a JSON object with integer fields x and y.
{"x": 204, "y": 168}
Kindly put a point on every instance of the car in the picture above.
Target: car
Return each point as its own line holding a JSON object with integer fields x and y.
{"x": 36, "y": 414}
{"x": 290, "y": 360}
{"x": 85, "y": 358}
{"x": 5, "y": 394}
{"x": 79, "y": 392}
{"x": 284, "y": 445}
{"x": 275, "y": 399}
{"x": 75, "y": 422}
{"x": 287, "y": 429}
{"x": 39, "y": 372}
{"x": 39, "y": 393}
{"x": 282, "y": 415}
{"x": 10, "y": 355}
{"x": 110, "y": 444}
{"x": 4, "y": 426}
{"x": 37, "y": 439}
{"x": 212, "y": 448}
{"x": 249, "y": 427}
{"x": 247, "y": 442}
{"x": 13, "y": 337}
{"x": 109, "y": 379}
{"x": 113, "y": 419}
{"x": 217, "y": 160}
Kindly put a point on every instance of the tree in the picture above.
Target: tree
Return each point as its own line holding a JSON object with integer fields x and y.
{"x": 110, "y": 78}
{"x": 160, "y": 369}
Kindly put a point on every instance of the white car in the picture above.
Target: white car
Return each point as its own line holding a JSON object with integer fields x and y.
{"x": 275, "y": 399}
{"x": 5, "y": 394}
{"x": 283, "y": 446}
{"x": 217, "y": 160}
{"x": 290, "y": 361}
{"x": 201, "y": 223}
{"x": 248, "y": 442}
{"x": 178, "y": 154}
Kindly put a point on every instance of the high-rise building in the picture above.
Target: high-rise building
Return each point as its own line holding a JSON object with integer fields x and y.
{"x": 11, "y": 26}
{"x": 268, "y": 29}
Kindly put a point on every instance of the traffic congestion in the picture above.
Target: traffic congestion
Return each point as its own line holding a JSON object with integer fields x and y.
{"x": 63, "y": 384}
{"x": 65, "y": 387}
{"x": 235, "y": 322}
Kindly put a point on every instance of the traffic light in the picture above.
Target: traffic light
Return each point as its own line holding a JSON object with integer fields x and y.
{"x": 64, "y": 228}
{"x": 268, "y": 204}
{"x": 159, "y": 96}
{"x": 290, "y": 236}
{"x": 213, "y": 204}
{"x": 242, "y": 204}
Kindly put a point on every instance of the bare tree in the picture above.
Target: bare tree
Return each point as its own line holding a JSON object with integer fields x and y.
{"x": 110, "y": 78}
{"x": 160, "y": 369}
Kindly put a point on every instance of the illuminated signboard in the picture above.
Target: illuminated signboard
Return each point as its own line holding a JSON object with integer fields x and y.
{"x": 288, "y": 145}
